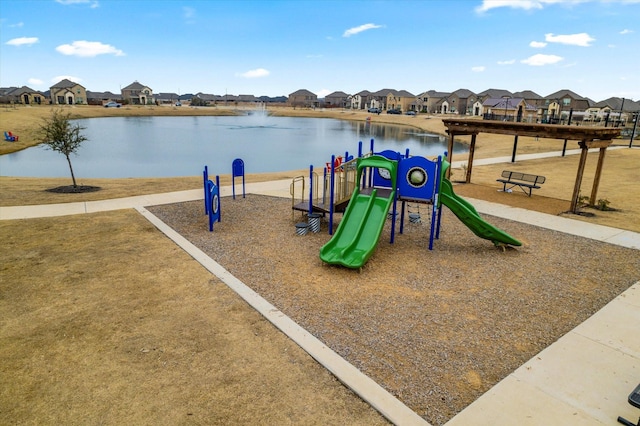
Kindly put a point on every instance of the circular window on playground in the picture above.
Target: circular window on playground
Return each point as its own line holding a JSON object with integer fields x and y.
{"x": 417, "y": 177}
{"x": 384, "y": 174}
{"x": 214, "y": 204}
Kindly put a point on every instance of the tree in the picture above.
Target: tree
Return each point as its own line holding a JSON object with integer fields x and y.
{"x": 58, "y": 134}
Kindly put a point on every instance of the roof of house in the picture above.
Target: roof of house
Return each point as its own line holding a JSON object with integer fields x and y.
{"x": 134, "y": 86}
{"x": 563, "y": 93}
{"x": 616, "y": 104}
{"x": 383, "y": 92}
{"x": 495, "y": 93}
{"x": 463, "y": 93}
{"x": 65, "y": 84}
{"x": 163, "y": 95}
{"x": 302, "y": 92}
{"x": 434, "y": 94}
{"x": 247, "y": 98}
{"x": 404, "y": 94}
{"x": 16, "y": 91}
{"x": 337, "y": 94}
{"x": 102, "y": 95}
{"x": 7, "y": 90}
{"x": 506, "y": 103}
{"x": 527, "y": 94}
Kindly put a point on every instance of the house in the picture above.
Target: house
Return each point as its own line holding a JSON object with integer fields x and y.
{"x": 359, "y": 100}
{"x": 248, "y": 99}
{"x": 336, "y": 100}
{"x": 66, "y": 92}
{"x": 461, "y": 102}
{"x": 167, "y": 98}
{"x": 558, "y": 106}
{"x": 273, "y": 100}
{"x": 615, "y": 110}
{"x": 203, "y": 99}
{"x": 532, "y": 98}
{"x": 494, "y": 94}
{"x": 303, "y": 98}
{"x": 22, "y": 95}
{"x": 400, "y": 100}
{"x": 509, "y": 109}
{"x": 433, "y": 102}
{"x": 101, "y": 98}
{"x": 379, "y": 99}
{"x": 137, "y": 94}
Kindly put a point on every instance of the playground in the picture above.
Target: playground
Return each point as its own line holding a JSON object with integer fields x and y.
{"x": 436, "y": 328}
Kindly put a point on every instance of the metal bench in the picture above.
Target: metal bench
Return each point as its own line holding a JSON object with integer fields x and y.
{"x": 526, "y": 182}
{"x": 634, "y": 399}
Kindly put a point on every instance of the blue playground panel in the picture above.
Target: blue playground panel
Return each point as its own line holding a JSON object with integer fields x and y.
{"x": 237, "y": 169}
{"x": 211, "y": 198}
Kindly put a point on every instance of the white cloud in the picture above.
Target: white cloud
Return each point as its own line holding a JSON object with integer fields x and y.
{"x": 18, "y": 25}
{"x": 625, "y": 31}
{"x": 35, "y": 81}
{"x": 478, "y": 69}
{"x": 361, "y": 28}
{"x": 88, "y": 49}
{"x": 539, "y": 4}
{"x": 189, "y": 14}
{"x": 59, "y": 78}
{"x": 540, "y": 60}
{"x": 580, "y": 39}
{"x": 516, "y": 4}
{"x": 537, "y": 44}
{"x": 92, "y": 3}
{"x": 509, "y": 62}
{"x": 257, "y": 73}
{"x": 22, "y": 41}
{"x": 322, "y": 93}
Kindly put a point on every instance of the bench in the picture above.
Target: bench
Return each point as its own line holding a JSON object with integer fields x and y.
{"x": 634, "y": 399}
{"x": 524, "y": 181}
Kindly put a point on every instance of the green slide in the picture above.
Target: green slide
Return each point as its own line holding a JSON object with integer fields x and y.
{"x": 470, "y": 217}
{"x": 357, "y": 235}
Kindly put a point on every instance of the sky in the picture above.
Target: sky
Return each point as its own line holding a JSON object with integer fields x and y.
{"x": 274, "y": 48}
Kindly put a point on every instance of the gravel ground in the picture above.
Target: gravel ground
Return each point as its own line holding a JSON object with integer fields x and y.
{"x": 436, "y": 328}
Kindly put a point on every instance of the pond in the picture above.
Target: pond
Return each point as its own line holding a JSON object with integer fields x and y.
{"x": 124, "y": 147}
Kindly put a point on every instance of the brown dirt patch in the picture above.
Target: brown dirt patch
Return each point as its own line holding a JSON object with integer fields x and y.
{"x": 105, "y": 321}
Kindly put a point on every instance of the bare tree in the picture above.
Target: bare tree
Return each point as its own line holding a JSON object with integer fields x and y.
{"x": 60, "y": 135}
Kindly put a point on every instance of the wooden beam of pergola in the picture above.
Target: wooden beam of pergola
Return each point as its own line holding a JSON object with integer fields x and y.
{"x": 587, "y": 137}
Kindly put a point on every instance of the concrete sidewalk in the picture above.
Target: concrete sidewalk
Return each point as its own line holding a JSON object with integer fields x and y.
{"x": 278, "y": 188}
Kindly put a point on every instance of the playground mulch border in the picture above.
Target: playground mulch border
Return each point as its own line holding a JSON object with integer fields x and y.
{"x": 436, "y": 328}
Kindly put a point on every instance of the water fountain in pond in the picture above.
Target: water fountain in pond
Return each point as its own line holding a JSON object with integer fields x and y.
{"x": 259, "y": 117}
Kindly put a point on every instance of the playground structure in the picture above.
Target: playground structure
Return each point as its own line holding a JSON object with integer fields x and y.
{"x": 212, "y": 191}
{"x": 237, "y": 170}
{"x": 211, "y": 198}
{"x": 379, "y": 181}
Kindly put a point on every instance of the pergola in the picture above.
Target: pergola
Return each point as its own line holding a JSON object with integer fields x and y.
{"x": 587, "y": 137}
